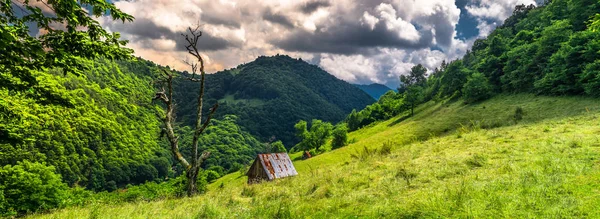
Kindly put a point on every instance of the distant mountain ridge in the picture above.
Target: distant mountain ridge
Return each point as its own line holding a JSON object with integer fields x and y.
{"x": 374, "y": 90}
{"x": 271, "y": 94}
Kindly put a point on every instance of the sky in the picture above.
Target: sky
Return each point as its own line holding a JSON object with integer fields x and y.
{"x": 359, "y": 41}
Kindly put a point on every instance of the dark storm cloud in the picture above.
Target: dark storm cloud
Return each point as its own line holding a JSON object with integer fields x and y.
{"x": 272, "y": 17}
{"x": 310, "y": 7}
{"x": 349, "y": 38}
{"x": 216, "y": 15}
{"x": 144, "y": 30}
{"x": 206, "y": 42}
{"x": 219, "y": 19}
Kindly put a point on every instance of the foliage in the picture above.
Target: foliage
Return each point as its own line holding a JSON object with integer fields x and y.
{"x": 413, "y": 96}
{"x": 416, "y": 76}
{"x": 29, "y": 187}
{"x": 271, "y": 94}
{"x": 453, "y": 78}
{"x": 313, "y": 138}
{"x": 231, "y": 148}
{"x": 94, "y": 129}
{"x": 388, "y": 106}
{"x": 595, "y": 23}
{"x": 278, "y": 147}
{"x": 340, "y": 136}
{"x": 477, "y": 88}
{"x": 70, "y": 32}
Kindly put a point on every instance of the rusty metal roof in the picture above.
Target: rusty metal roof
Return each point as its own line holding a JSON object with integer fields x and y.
{"x": 277, "y": 165}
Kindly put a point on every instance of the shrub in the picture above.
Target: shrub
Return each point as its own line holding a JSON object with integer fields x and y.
{"x": 518, "y": 116}
{"x": 29, "y": 187}
{"x": 278, "y": 147}
{"x": 477, "y": 88}
{"x": 340, "y": 136}
{"x": 212, "y": 175}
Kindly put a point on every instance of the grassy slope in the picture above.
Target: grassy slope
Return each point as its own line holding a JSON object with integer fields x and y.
{"x": 545, "y": 166}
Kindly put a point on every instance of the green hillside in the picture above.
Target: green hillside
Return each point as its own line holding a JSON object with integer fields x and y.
{"x": 100, "y": 130}
{"x": 449, "y": 160}
{"x": 271, "y": 94}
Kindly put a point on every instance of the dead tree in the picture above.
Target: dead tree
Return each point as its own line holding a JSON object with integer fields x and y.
{"x": 166, "y": 96}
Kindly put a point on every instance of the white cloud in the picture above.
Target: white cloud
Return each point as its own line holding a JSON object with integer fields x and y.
{"x": 405, "y": 29}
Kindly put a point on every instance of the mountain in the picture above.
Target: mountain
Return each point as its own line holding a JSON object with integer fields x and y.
{"x": 101, "y": 130}
{"x": 271, "y": 94}
{"x": 374, "y": 90}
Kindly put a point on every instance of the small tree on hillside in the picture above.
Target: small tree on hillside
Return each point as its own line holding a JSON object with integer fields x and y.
{"x": 413, "y": 96}
{"x": 191, "y": 169}
{"x": 314, "y": 138}
{"x": 412, "y": 86}
{"x": 278, "y": 147}
{"x": 477, "y": 88}
{"x": 340, "y": 136}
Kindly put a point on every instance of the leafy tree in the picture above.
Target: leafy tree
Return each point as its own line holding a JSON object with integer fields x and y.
{"x": 591, "y": 79}
{"x": 521, "y": 71}
{"x": 314, "y": 138}
{"x": 81, "y": 36}
{"x": 412, "y": 84}
{"x": 166, "y": 97}
{"x": 594, "y": 24}
{"x": 413, "y": 96}
{"x": 567, "y": 64}
{"x": 477, "y": 88}
{"x": 454, "y": 78}
{"x": 278, "y": 147}
{"x": 29, "y": 187}
{"x": 416, "y": 76}
{"x": 211, "y": 175}
{"x": 340, "y": 136}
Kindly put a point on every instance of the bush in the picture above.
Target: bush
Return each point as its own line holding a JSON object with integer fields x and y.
{"x": 211, "y": 176}
{"x": 340, "y": 136}
{"x": 518, "y": 116}
{"x": 477, "y": 88}
{"x": 29, "y": 187}
{"x": 278, "y": 147}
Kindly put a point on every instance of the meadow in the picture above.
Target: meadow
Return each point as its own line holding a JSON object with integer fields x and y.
{"x": 512, "y": 156}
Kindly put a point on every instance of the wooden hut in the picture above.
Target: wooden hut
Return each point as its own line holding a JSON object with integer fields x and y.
{"x": 270, "y": 166}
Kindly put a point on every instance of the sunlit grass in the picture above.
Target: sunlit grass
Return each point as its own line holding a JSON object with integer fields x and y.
{"x": 450, "y": 160}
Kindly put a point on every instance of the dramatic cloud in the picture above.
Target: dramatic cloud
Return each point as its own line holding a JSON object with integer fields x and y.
{"x": 277, "y": 19}
{"x": 360, "y": 41}
{"x": 310, "y": 7}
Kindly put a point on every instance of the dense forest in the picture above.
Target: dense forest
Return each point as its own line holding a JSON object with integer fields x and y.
{"x": 104, "y": 131}
{"x": 271, "y": 94}
{"x": 545, "y": 50}
{"x": 374, "y": 90}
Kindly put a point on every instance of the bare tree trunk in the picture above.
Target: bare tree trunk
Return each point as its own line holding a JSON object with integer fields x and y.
{"x": 166, "y": 97}
{"x": 192, "y": 178}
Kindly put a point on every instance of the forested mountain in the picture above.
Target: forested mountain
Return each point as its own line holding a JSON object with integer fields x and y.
{"x": 100, "y": 130}
{"x": 271, "y": 94}
{"x": 374, "y": 90}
